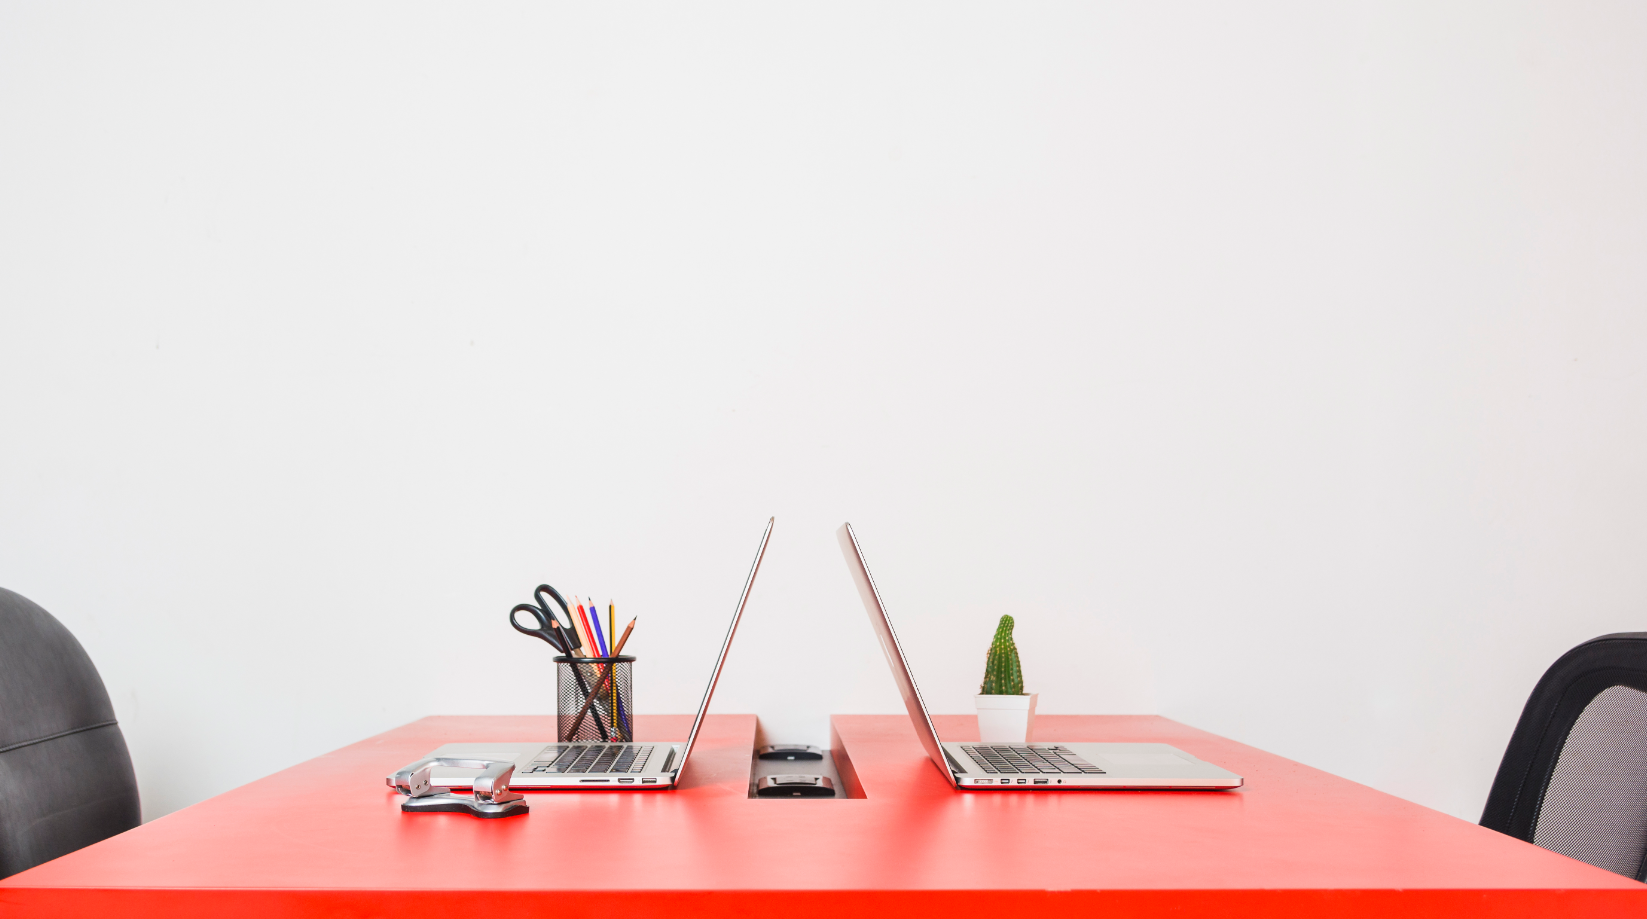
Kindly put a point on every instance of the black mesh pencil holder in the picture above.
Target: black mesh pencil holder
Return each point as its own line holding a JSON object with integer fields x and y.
{"x": 595, "y": 699}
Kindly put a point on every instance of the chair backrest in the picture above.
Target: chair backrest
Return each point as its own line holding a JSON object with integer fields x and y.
{"x": 1574, "y": 779}
{"x": 66, "y": 779}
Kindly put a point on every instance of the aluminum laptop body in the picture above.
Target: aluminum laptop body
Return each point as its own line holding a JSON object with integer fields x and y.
{"x": 1027, "y": 766}
{"x": 600, "y": 766}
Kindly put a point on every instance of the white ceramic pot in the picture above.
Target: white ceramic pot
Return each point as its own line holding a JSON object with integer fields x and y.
{"x": 1006, "y": 719}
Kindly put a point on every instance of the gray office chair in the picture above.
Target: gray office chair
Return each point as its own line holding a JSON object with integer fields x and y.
{"x": 66, "y": 780}
{"x": 1574, "y": 779}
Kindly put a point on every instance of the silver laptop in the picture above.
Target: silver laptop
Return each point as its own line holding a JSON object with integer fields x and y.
{"x": 1027, "y": 766}
{"x": 601, "y": 766}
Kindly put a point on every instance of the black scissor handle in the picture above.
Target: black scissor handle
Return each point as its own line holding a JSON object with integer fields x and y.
{"x": 544, "y": 604}
{"x": 544, "y": 630}
{"x": 570, "y": 633}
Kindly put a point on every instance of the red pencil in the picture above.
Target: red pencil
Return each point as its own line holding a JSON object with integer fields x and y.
{"x": 582, "y": 628}
{"x": 594, "y": 643}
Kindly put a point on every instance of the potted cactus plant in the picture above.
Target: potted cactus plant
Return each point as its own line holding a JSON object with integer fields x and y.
{"x": 1006, "y": 714}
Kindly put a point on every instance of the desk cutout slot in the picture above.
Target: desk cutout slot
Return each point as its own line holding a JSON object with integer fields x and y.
{"x": 824, "y": 766}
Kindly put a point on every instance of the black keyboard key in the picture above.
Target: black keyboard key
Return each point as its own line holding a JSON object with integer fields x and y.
{"x": 567, "y": 759}
{"x": 982, "y": 761}
{"x": 643, "y": 754}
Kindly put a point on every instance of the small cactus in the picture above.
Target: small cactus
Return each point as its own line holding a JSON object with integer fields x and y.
{"x": 1002, "y": 674}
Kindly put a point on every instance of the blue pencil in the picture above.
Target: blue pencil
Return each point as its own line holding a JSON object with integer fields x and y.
{"x": 594, "y": 623}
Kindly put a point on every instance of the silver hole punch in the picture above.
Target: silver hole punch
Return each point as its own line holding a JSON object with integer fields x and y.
{"x": 492, "y": 797}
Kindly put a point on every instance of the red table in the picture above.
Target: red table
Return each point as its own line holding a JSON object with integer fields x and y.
{"x": 326, "y": 838}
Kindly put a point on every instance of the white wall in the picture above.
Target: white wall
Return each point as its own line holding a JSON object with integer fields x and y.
{"x": 1279, "y": 366}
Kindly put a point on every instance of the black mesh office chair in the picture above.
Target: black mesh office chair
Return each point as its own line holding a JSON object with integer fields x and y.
{"x": 66, "y": 780}
{"x": 1574, "y": 779}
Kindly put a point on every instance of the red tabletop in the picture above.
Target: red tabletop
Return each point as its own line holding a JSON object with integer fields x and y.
{"x": 327, "y": 838}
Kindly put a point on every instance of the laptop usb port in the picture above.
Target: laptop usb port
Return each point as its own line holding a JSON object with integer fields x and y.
{"x": 627, "y": 781}
{"x": 1037, "y": 781}
{"x": 649, "y": 781}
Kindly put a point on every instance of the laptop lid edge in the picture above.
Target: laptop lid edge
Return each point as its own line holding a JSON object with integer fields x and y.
{"x": 894, "y": 651}
{"x": 726, "y": 645}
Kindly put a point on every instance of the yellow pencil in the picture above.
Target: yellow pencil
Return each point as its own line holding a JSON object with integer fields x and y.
{"x": 611, "y": 629}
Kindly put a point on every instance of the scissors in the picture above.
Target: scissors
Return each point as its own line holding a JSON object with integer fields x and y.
{"x": 556, "y": 630}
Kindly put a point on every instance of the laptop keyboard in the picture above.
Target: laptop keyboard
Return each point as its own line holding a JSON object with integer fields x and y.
{"x": 1016, "y": 758}
{"x": 596, "y": 758}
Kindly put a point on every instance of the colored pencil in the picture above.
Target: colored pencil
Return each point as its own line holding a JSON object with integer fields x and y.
{"x": 601, "y": 684}
{"x": 595, "y": 650}
{"x": 600, "y": 636}
{"x": 612, "y": 631}
{"x": 581, "y": 623}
